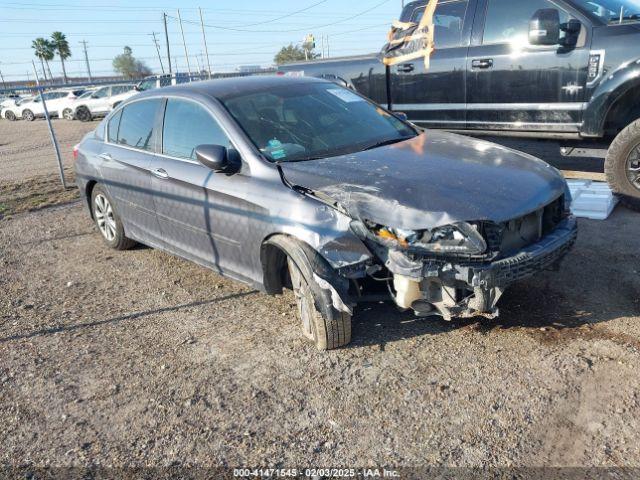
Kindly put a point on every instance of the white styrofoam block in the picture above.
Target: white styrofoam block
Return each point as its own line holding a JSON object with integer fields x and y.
{"x": 593, "y": 200}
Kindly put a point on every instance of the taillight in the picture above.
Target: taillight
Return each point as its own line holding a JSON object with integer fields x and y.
{"x": 75, "y": 152}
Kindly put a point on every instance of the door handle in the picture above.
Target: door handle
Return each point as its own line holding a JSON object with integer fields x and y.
{"x": 160, "y": 173}
{"x": 482, "y": 63}
{"x": 405, "y": 68}
{"x": 105, "y": 156}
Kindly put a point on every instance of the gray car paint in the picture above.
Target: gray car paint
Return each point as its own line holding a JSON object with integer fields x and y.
{"x": 222, "y": 221}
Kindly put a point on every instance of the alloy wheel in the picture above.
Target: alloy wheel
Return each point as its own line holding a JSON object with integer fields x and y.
{"x": 28, "y": 115}
{"x": 633, "y": 167}
{"x": 104, "y": 217}
{"x": 67, "y": 114}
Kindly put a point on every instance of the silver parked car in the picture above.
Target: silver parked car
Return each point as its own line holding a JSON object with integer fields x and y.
{"x": 299, "y": 183}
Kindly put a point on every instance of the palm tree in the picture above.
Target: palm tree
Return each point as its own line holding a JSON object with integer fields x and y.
{"x": 44, "y": 52}
{"x": 61, "y": 47}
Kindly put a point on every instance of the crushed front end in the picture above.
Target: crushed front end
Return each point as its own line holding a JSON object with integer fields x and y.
{"x": 461, "y": 270}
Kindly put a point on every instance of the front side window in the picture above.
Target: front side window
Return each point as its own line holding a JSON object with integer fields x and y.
{"x": 508, "y": 21}
{"x": 304, "y": 121}
{"x": 137, "y": 124}
{"x": 147, "y": 85}
{"x": 186, "y": 126}
{"x": 448, "y": 19}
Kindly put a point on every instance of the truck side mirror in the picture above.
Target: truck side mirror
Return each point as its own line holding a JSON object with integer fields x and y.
{"x": 544, "y": 27}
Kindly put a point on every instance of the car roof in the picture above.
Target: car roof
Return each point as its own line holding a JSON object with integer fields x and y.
{"x": 227, "y": 87}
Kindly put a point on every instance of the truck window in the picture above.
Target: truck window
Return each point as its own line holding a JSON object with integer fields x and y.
{"x": 448, "y": 20}
{"x": 508, "y": 21}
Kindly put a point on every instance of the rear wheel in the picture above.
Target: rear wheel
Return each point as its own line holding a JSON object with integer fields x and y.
{"x": 67, "y": 114}
{"x": 622, "y": 166}
{"x": 28, "y": 116}
{"x": 108, "y": 221}
{"x": 9, "y": 115}
{"x": 83, "y": 114}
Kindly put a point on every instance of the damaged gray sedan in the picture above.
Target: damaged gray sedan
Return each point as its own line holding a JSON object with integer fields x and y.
{"x": 300, "y": 183}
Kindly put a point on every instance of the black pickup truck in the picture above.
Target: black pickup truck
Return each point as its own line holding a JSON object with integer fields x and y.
{"x": 563, "y": 69}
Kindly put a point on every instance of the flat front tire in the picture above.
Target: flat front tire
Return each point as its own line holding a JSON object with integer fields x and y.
{"x": 108, "y": 221}
{"x": 322, "y": 324}
{"x": 622, "y": 166}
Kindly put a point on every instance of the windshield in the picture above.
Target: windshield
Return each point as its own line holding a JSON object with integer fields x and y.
{"x": 313, "y": 120}
{"x": 612, "y": 11}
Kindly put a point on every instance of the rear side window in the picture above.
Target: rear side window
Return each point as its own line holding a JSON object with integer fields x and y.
{"x": 101, "y": 93}
{"x": 187, "y": 125}
{"x": 137, "y": 124}
{"x": 112, "y": 128}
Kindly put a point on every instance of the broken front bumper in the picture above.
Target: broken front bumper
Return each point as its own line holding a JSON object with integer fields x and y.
{"x": 458, "y": 289}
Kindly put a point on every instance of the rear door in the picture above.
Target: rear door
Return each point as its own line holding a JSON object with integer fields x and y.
{"x": 513, "y": 85}
{"x": 436, "y": 97}
{"x": 125, "y": 163}
{"x": 99, "y": 101}
{"x": 201, "y": 214}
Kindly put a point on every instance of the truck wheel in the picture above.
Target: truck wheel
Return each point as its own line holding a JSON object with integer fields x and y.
{"x": 321, "y": 322}
{"x": 622, "y": 166}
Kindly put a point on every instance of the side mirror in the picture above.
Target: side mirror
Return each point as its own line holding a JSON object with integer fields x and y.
{"x": 212, "y": 156}
{"x": 544, "y": 27}
{"x": 402, "y": 116}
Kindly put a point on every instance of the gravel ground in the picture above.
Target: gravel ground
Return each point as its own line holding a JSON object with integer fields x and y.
{"x": 26, "y": 150}
{"x": 142, "y": 359}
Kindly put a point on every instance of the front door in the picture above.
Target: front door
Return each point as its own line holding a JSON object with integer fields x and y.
{"x": 512, "y": 85}
{"x": 436, "y": 97}
{"x": 201, "y": 212}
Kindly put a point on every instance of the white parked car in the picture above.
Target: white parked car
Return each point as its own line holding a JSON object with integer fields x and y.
{"x": 102, "y": 101}
{"x": 68, "y": 107}
{"x": 11, "y": 109}
{"x": 55, "y": 99}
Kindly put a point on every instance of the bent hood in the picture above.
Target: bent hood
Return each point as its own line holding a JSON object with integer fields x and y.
{"x": 434, "y": 179}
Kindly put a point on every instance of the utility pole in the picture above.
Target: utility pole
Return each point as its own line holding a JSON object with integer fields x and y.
{"x": 186, "y": 53}
{"x": 198, "y": 62}
{"x": 322, "y": 42}
{"x": 204, "y": 39}
{"x": 328, "y": 53}
{"x": 4, "y": 85}
{"x": 155, "y": 42}
{"x": 54, "y": 140}
{"x": 166, "y": 37}
{"x": 86, "y": 59}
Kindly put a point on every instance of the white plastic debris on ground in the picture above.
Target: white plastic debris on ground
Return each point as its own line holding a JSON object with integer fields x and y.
{"x": 593, "y": 200}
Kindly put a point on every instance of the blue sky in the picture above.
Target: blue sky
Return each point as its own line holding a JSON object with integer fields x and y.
{"x": 241, "y": 32}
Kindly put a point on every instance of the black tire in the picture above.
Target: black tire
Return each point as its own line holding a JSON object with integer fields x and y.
{"x": 622, "y": 159}
{"x": 83, "y": 114}
{"x": 322, "y": 323}
{"x": 28, "y": 115}
{"x": 115, "y": 238}
{"x": 9, "y": 115}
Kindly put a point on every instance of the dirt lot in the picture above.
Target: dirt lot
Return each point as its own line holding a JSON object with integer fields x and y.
{"x": 142, "y": 359}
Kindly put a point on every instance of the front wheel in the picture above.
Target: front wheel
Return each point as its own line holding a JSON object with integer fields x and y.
{"x": 622, "y": 166}
{"x": 108, "y": 221}
{"x": 322, "y": 324}
{"x": 28, "y": 116}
